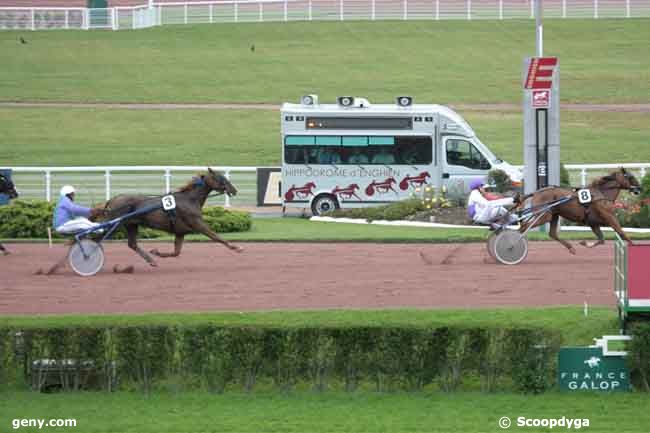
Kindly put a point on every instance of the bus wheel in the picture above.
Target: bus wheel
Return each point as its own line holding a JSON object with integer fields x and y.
{"x": 323, "y": 203}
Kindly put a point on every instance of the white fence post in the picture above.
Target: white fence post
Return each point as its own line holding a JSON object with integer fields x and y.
{"x": 236, "y": 12}
{"x": 469, "y": 10}
{"x": 211, "y": 12}
{"x": 33, "y": 20}
{"x": 373, "y": 10}
{"x": 596, "y": 9}
{"x": 583, "y": 176}
{"x": 405, "y": 10}
{"x": 310, "y": 13}
{"x": 341, "y": 10}
{"x": 114, "y": 14}
{"x": 532, "y": 8}
{"x": 642, "y": 172}
{"x": 563, "y": 8}
{"x": 261, "y": 10}
{"x": 48, "y": 185}
{"x": 437, "y": 10}
{"x": 500, "y": 9}
{"x": 107, "y": 176}
{"x": 286, "y": 10}
{"x": 168, "y": 181}
{"x": 185, "y": 14}
{"x": 627, "y": 9}
{"x": 66, "y": 23}
{"x": 227, "y": 201}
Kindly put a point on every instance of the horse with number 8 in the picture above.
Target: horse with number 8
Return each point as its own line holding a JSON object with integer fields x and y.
{"x": 592, "y": 206}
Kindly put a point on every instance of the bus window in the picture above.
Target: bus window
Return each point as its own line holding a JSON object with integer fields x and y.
{"x": 355, "y": 150}
{"x": 297, "y": 148}
{"x": 463, "y": 153}
{"x": 414, "y": 150}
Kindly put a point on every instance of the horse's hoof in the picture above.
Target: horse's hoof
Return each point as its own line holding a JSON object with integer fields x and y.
{"x": 153, "y": 264}
{"x": 154, "y": 252}
{"x": 126, "y": 270}
{"x": 39, "y": 272}
{"x": 584, "y": 243}
{"x": 572, "y": 251}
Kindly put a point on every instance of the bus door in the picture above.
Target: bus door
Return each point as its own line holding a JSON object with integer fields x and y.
{"x": 462, "y": 161}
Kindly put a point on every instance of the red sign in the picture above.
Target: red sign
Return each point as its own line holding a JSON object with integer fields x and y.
{"x": 541, "y": 98}
{"x": 540, "y": 73}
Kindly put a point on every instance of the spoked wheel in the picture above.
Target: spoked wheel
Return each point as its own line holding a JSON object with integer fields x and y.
{"x": 86, "y": 257}
{"x": 510, "y": 247}
{"x": 490, "y": 244}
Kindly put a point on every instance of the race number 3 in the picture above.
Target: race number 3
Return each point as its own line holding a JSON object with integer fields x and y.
{"x": 584, "y": 196}
{"x": 169, "y": 202}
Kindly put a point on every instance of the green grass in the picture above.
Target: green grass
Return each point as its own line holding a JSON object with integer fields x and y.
{"x": 605, "y": 61}
{"x": 71, "y": 137}
{"x": 329, "y": 412}
{"x": 569, "y": 321}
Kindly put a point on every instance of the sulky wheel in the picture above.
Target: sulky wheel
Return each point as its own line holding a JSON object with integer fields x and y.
{"x": 490, "y": 243}
{"x": 510, "y": 247}
{"x": 86, "y": 257}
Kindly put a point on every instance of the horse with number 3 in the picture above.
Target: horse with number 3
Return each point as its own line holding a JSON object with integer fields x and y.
{"x": 180, "y": 213}
{"x": 591, "y": 206}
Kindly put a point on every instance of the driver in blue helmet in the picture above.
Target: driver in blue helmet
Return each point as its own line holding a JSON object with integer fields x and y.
{"x": 485, "y": 208}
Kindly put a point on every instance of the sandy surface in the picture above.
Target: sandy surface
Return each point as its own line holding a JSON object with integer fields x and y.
{"x": 267, "y": 276}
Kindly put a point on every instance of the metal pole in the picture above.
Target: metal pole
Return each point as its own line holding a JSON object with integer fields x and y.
{"x": 67, "y": 20}
{"x": 405, "y": 10}
{"x": 168, "y": 181}
{"x": 286, "y": 6}
{"x": 437, "y": 10}
{"x": 48, "y": 185}
{"x": 341, "y": 10}
{"x": 227, "y": 203}
{"x": 107, "y": 175}
{"x": 539, "y": 28}
{"x": 583, "y": 176}
{"x": 237, "y": 12}
{"x": 185, "y": 14}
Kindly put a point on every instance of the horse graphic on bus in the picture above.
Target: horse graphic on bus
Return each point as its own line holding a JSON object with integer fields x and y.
{"x": 414, "y": 181}
{"x": 348, "y": 192}
{"x": 300, "y": 192}
{"x": 381, "y": 187}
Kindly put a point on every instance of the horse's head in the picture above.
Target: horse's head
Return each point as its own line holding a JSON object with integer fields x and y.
{"x": 7, "y": 187}
{"x": 626, "y": 180}
{"x": 218, "y": 182}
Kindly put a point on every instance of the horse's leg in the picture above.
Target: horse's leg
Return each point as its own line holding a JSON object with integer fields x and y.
{"x": 599, "y": 235}
{"x": 553, "y": 234}
{"x": 4, "y": 250}
{"x": 201, "y": 227}
{"x": 178, "y": 245}
{"x": 132, "y": 232}
{"x": 610, "y": 220}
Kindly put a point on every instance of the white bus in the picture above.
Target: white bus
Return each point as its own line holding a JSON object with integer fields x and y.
{"x": 354, "y": 154}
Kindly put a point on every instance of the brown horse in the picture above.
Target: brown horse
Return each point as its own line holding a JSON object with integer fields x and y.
{"x": 186, "y": 218}
{"x": 7, "y": 187}
{"x": 599, "y": 212}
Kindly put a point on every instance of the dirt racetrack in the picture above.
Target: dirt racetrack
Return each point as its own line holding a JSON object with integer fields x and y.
{"x": 270, "y": 276}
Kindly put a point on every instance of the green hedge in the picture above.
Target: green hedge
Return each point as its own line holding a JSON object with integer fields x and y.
{"x": 639, "y": 355}
{"x": 391, "y": 212}
{"x": 218, "y": 359}
{"x": 30, "y": 219}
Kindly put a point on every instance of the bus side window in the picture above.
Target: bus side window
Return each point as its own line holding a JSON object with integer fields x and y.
{"x": 463, "y": 153}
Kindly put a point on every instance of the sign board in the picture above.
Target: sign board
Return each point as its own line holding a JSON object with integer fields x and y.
{"x": 587, "y": 369}
{"x": 541, "y": 109}
{"x": 269, "y": 187}
{"x": 541, "y": 98}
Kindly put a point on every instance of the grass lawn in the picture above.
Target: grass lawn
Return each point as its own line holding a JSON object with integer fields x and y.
{"x": 570, "y": 321}
{"x": 444, "y": 62}
{"x": 88, "y": 137}
{"x": 328, "y": 412}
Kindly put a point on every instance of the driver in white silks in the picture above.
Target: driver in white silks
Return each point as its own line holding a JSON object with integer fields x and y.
{"x": 69, "y": 217}
{"x": 486, "y": 208}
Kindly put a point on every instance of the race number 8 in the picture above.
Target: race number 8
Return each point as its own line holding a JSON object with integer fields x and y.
{"x": 169, "y": 202}
{"x": 584, "y": 196}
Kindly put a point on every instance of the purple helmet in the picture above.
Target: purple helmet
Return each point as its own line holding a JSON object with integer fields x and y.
{"x": 476, "y": 183}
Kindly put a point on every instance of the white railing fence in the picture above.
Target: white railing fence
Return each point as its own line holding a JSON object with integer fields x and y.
{"x": 97, "y": 184}
{"x": 233, "y": 11}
